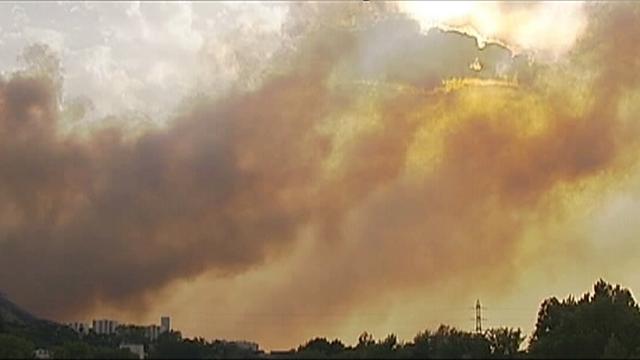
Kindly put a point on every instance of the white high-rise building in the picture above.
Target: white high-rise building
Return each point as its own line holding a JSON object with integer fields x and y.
{"x": 152, "y": 332}
{"x": 105, "y": 327}
{"x": 165, "y": 324}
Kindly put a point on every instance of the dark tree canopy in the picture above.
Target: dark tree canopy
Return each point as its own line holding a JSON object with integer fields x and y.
{"x": 13, "y": 347}
{"x": 605, "y": 322}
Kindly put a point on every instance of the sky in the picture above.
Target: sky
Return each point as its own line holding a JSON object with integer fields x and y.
{"x": 282, "y": 170}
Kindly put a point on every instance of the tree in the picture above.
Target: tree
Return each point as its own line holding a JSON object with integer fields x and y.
{"x": 73, "y": 350}
{"x": 386, "y": 348}
{"x": 365, "y": 346}
{"x": 614, "y": 349}
{"x": 585, "y": 328}
{"x": 365, "y": 339}
{"x": 13, "y": 347}
{"x": 504, "y": 342}
{"x": 448, "y": 342}
{"x": 83, "y": 350}
{"x": 320, "y": 348}
{"x": 421, "y": 345}
{"x": 171, "y": 346}
{"x": 132, "y": 334}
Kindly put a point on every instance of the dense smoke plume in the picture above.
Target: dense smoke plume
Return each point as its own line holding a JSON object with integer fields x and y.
{"x": 352, "y": 136}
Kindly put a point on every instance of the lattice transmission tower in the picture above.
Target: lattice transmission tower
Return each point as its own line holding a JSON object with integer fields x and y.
{"x": 479, "y": 317}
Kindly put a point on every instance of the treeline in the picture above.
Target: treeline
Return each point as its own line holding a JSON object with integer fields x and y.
{"x": 444, "y": 343}
{"x": 172, "y": 346}
{"x": 601, "y": 324}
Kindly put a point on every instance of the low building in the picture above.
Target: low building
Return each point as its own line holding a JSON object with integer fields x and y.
{"x": 105, "y": 327}
{"x": 41, "y": 354}
{"x": 137, "y": 349}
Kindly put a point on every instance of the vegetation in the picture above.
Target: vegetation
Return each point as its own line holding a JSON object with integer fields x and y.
{"x": 444, "y": 343}
{"x": 172, "y": 346}
{"x": 14, "y": 347}
{"x": 602, "y": 324}
{"x": 82, "y": 350}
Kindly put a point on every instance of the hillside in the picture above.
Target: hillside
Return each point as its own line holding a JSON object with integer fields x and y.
{"x": 42, "y": 333}
{"x": 13, "y": 314}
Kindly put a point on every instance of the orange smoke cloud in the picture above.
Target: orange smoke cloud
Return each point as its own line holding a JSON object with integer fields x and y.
{"x": 353, "y": 136}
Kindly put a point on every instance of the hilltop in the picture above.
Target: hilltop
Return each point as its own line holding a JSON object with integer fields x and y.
{"x": 12, "y": 313}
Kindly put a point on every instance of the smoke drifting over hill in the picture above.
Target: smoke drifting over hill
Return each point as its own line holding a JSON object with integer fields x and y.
{"x": 352, "y": 136}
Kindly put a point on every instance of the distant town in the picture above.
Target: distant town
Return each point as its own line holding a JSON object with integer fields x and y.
{"x": 108, "y": 327}
{"x": 112, "y": 327}
{"x": 137, "y": 339}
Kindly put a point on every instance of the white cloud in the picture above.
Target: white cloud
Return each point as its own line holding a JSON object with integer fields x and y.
{"x": 141, "y": 56}
{"x": 548, "y": 28}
